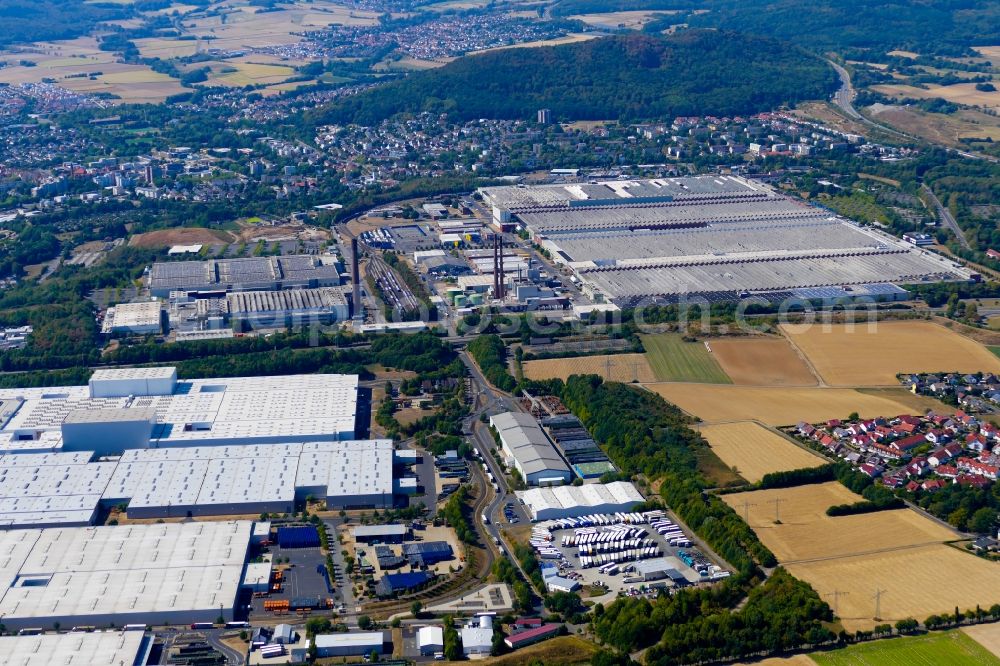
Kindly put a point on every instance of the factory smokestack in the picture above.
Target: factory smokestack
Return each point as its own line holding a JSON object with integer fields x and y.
{"x": 355, "y": 280}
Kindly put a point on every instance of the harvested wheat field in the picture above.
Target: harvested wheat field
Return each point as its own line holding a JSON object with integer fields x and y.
{"x": 911, "y": 581}
{"x": 179, "y": 236}
{"x": 782, "y": 406}
{"x": 623, "y": 367}
{"x": 857, "y": 355}
{"x": 755, "y": 451}
{"x": 806, "y": 533}
{"x": 987, "y": 635}
{"x": 761, "y": 362}
{"x": 900, "y": 552}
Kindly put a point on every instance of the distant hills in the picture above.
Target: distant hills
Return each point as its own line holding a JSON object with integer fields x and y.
{"x": 628, "y": 77}
{"x": 942, "y": 27}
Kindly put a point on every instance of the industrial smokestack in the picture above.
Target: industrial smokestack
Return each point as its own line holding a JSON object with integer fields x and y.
{"x": 355, "y": 279}
{"x": 503, "y": 274}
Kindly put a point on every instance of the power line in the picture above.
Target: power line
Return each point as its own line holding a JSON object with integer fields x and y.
{"x": 777, "y": 514}
{"x": 878, "y": 602}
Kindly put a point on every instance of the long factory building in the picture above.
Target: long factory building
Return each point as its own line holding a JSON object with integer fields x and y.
{"x": 157, "y": 574}
{"x": 175, "y": 448}
{"x": 722, "y": 237}
{"x": 138, "y": 408}
{"x": 69, "y": 488}
{"x": 244, "y": 274}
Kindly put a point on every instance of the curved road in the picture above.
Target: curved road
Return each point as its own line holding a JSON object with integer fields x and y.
{"x": 844, "y": 99}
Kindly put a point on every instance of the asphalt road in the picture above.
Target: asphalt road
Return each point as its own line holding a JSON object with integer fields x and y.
{"x": 946, "y": 217}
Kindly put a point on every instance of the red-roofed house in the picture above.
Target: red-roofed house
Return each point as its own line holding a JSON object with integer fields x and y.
{"x": 947, "y": 471}
{"x": 908, "y": 443}
{"x": 531, "y": 636}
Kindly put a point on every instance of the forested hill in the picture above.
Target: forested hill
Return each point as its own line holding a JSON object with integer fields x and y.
{"x": 628, "y": 77}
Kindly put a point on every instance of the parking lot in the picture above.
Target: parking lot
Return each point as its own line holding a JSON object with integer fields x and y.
{"x": 303, "y": 578}
{"x": 605, "y": 550}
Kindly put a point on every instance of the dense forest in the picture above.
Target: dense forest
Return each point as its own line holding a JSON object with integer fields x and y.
{"x": 629, "y": 77}
{"x": 36, "y": 20}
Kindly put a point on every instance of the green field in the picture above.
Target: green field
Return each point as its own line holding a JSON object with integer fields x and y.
{"x": 951, "y": 647}
{"x": 674, "y": 360}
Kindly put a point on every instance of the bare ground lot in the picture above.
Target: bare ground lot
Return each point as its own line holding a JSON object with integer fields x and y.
{"x": 180, "y": 236}
{"x": 761, "y": 362}
{"x": 755, "y": 451}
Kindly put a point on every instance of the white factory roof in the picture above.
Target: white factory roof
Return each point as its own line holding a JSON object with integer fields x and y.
{"x": 68, "y": 574}
{"x": 354, "y": 639}
{"x": 621, "y": 191}
{"x": 161, "y": 372}
{"x": 588, "y": 495}
{"x": 430, "y": 636}
{"x": 141, "y": 315}
{"x": 99, "y": 648}
{"x": 523, "y": 438}
{"x": 347, "y": 468}
{"x": 291, "y": 408}
{"x": 39, "y": 489}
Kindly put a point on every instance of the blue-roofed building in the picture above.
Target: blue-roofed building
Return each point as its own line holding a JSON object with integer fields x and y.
{"x": 401, "y": 582}
{"x": 298, "y": 537}
{"x": 427, "y": 553}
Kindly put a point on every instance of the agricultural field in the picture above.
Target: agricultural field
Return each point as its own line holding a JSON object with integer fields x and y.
{"x": 959, "y": 93}
{"x": 900, "y": 552}
{"x": 760, "y": 361}
{"x": 860, "y": 355}
{"x": 954, "y": 648}
{"x": 239, "y": 74}
{"x": 783, "y": 406}
{"x": 807, "y": 534}
{"x": 987, "y": 635}
{"x": 623, "y": 367}
{"x": 632, "y": 20}
{"x": 674, "y": 360}
{"x": 755, "y": 451}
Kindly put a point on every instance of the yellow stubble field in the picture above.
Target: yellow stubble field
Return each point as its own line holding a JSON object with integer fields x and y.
{"x": 782, "y": 406}
{"x": 860, "y": 355}
{"x": 623, "y": 367}
{"x": 900, "y": 552}
{"x": 755, "y": 451}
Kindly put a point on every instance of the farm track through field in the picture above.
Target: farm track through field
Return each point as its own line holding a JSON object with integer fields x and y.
{"x": 821, "y": 383}
{"x": 863, "y": 553}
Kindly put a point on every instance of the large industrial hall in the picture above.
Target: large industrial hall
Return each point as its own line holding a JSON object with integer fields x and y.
{"x": 717, "y": 237}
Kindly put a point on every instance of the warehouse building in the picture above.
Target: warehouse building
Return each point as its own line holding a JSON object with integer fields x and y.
{"x": 527, "y": 448}
{"x": 133, "y": 408}
{"x": 67, "y": 488}
{"x": 137, "y": 574}
{"x": 430, "y": 640}
{"x": 427, "y": 553}
{"x": 145, "y": 318}
{"x": 98, "y": 648}
{"x": 659, "y": 568}
{"x": 280, "y": 309}
{"x": 477, "y": 635}
{"x": 354, "y": 644}
{"x": 244, "y": 274}
{"x": 394, "y": 533}
{"x": 575, "y": 501}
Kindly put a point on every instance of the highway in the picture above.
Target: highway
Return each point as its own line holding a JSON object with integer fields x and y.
{"x": 844, "y": 99}
{"x": 946, "y": 217}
